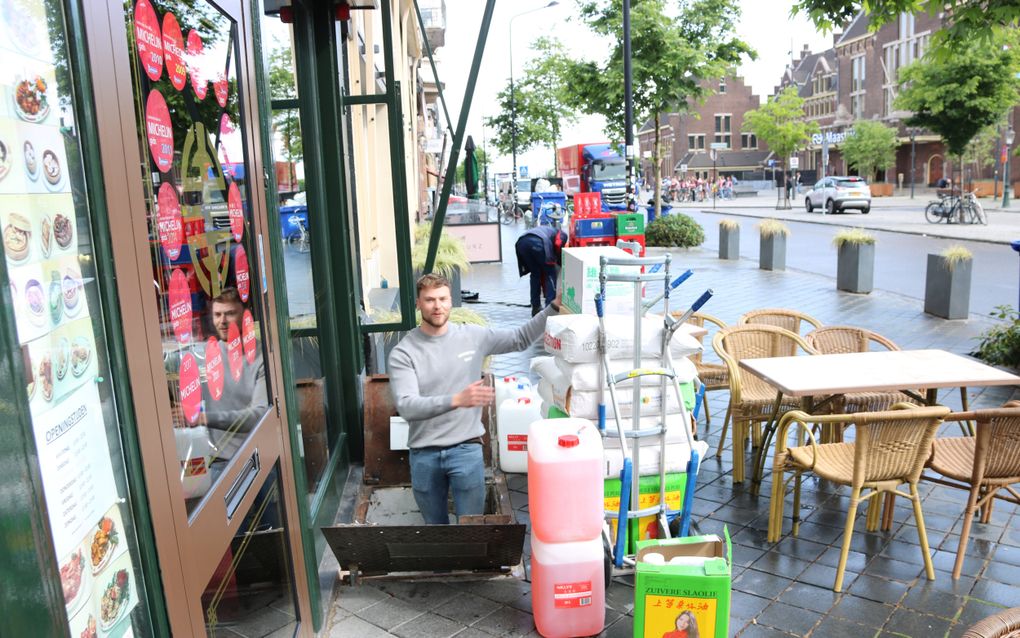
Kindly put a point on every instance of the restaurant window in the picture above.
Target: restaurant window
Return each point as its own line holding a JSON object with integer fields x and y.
{"x": 53, "y": 270}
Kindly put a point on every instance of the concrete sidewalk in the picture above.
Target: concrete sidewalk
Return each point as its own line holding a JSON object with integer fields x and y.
{"x": 781, "y": 589}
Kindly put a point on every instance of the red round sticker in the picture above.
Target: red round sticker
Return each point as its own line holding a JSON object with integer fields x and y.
{"x": 248, "y": 336}
{"x": 159, "y": 131}
{"x": 242, "y": 274}
{"x": 180, "y": 306}
{"x": 235, "y": 212}
{"x": 173, "y": 50}
{"x": 171, "y": 227}
{"x": 234, "y": 352}
{"x": 148, "y": 39}
{"x": 214, "y": 368}
{"x": 190, "y": 388}
{"x": 226, "y": 126}
{"x": 222, "y": 90}
{"x": 194, "y": 57}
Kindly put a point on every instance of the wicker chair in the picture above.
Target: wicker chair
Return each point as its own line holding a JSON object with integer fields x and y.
{"x": 715, "y": 376}
{"x": 984, "y": 464}
{"x": 791, "y": 320}
{"x": 752, "y": 400}
{"x": 846, "y": 339}
{"x": 890, "y": 449}
{"x": 1005, "y": 624}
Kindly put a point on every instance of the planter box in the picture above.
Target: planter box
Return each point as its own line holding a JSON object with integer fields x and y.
{"x": 983, "y": 188}
{"x": 881, "y": 190}
{"x": 729, "y": 243}
{"x": 855, "y": 267}
{"x": 947, "y": 293}
{"x": 772, "y": 252}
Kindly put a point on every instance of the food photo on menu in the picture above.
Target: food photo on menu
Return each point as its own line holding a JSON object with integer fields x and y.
{"x": 58, "y": 364}
{"x": 5, "y": 159}
{"x": 31, "y": 99}
{"x": 112, "y": 595}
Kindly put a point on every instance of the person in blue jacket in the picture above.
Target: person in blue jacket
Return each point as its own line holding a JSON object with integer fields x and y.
{"x": 538, "y": 254}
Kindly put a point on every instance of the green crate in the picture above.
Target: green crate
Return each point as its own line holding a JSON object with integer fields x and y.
{"x": 630, "y": 224}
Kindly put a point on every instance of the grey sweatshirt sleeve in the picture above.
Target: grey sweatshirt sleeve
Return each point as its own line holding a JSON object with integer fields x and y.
{"x": 517, "y": 339}
{"x": 408, "y": 400}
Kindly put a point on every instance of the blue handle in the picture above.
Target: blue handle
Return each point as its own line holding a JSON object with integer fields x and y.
{"x": 702, "y": 300}
{"x": 682, "y": 278}
{"x": 698, "y": 399}
{"x": 598, "y": 305}
{"x": 621, "y": 519}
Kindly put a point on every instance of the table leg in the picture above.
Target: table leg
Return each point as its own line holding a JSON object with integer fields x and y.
{"x": 758, "y": 469}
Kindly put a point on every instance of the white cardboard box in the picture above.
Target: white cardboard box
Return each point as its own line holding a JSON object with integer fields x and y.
{"x": 579, "y": 281}
{"x": 398, "y": 433}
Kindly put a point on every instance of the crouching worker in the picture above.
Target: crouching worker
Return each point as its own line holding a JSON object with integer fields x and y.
{"x": 538, "y": 253}
{"x": 435, "y": 377}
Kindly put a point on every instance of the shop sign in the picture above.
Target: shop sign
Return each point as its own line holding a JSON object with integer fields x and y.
{"x": 173, "y": 49}
{"x": 159, "y": 130}
{"x": 214, "y": 368}
{"x": 194, "y": 48}
{"x": 190, "y": 388}
{"x": 248, "y": 336}
{"x": 222, "y": 89}
{"x": 234, "y": 354}
{"x": 242, "y": 274}
{"x": 180, "y": 306}
{"x": 235, "y": 212}
{"x": 149, "y": 40}
{"x": 171, "y": 227}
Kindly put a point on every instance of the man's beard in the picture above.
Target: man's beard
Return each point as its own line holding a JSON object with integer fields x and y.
{"x": 436, "y": 322}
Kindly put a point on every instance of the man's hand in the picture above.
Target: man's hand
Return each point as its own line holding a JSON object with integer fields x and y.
{"x": 474, "y": 395}
{"x": 558, "y": 301}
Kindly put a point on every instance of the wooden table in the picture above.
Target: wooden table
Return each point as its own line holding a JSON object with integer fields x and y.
{"x": 827, "y": 375}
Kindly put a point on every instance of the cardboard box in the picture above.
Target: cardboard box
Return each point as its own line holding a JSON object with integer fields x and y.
{"x": 643, "y": 528}
{"x": 662, "y": 593}
{"x": 579, "y": 281}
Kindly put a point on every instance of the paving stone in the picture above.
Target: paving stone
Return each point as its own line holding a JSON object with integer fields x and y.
{"x": 998, "y": 593}
{"x": 761, "y": 583}
{"x": 466, "y": 608}
{"x": 428, "y": 626}
{"x": 389, "y": 613}
{"x": 788, "y": 618}
{"x": 833, "y": 626}
{"x": 912, "y": 623}
{"x": 934, "y": 602}
{"x": 354, "y": 626}
{"x": 862, "y": 611}
{"x": 810, "y": 597}
{"x": 507, "y": 621}
{"x": 354, "y": 599}
{"x": 421, "y": 594}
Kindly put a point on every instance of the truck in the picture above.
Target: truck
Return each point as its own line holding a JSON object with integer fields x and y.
{"x": 596, "y": 167}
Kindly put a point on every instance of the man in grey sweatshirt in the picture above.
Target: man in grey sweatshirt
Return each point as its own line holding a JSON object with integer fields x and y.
{"x": 435, "y": 377}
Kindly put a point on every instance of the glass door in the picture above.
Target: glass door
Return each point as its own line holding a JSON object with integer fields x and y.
{"x": 222, "y": 438}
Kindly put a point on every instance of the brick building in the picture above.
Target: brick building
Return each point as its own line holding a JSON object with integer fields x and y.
{"x": 687, "y": 137}
{"x": 857, "y": 80}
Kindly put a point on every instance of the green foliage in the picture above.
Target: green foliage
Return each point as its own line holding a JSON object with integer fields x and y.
{"x": 852, "y": 237}
{"x": 871, "y": 147}
{"x": 541, "y": 101}
{"x": 782, "y": 124}
{"x": 450, "y": 254}
{"x": 770, "y": 227}
{"x": 967, "y": 21}
{"x": 676, "y": 230}
{"x": 982, "y": 150}
{"x": 1000, "y": 344}
{"x": 282, "y": 85}
{"x": 965, "y": 93}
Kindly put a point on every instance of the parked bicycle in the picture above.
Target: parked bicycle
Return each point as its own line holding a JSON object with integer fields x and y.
{"x": 510, "y": 212}
{"x": 300, "y": 239}
{"x": 954, "y": 209}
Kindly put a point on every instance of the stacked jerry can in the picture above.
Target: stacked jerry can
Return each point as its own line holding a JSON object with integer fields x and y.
{"x": 590, "y": 226}
{"x": 565, "y": 503}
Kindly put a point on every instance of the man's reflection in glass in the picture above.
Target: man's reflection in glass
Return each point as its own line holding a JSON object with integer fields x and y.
{"x": 244, "y": 401}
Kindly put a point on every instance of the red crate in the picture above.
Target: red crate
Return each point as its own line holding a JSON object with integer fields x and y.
{"x": 580, "y": 242}
{"x": 587, "y": 204}
{"x": 638, "y": 238}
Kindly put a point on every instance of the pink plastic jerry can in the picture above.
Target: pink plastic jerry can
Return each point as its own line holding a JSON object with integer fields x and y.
{"x": 568, "y": 592}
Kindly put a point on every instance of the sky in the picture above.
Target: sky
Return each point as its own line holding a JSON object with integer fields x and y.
{"x": 765, "y": 25}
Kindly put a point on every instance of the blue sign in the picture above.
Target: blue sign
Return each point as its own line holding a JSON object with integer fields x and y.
{"x": 523, "y": 172}
{"x": 772, "y": 163}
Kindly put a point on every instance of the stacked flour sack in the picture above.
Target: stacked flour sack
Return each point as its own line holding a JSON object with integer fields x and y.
{"x": 569, "y": 386}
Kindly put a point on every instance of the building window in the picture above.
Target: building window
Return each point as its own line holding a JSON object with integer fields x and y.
{"x": 857, "y": 78}
{"x": 696, "y": 142}
{"x": 748, "y": 141}
{"x": 722, "y": 85}
{"x": 722, "y": 128}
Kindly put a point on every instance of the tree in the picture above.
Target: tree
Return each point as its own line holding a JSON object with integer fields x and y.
{"x": 871, "y": 147}
{"x": 540, "y": 100}
{"x": 960, "y": 95}
{"x": 782, "y": 124}
{"x": 966, "y": 21}
{"x": 679, "y": 47}
{"x": 282, "y": 85}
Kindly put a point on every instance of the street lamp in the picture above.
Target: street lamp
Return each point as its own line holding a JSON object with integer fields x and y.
{"x": 1010, "y": 137}
{"x": 513, "y": 96}
{"x": 912, "y": 131}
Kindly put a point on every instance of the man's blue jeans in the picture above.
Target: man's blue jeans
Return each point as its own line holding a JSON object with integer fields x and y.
{"x": 437, "y": 470}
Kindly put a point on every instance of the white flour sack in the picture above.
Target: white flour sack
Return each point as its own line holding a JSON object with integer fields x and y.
{"x": 574, "y": 338}
{"x": 677, "y": 457}
{"x": 674, "y": 431}
{"x": 585, "y": 405}
{"x": 546, "y": 368}
{"x": 552, "y": 396}
{"x": 588, "y": 376}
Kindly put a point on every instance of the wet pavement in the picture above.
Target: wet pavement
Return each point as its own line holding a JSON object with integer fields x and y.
{"x": 780, "y": 589}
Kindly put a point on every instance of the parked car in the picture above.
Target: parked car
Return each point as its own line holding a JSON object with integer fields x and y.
{"x": 836, "y": 194}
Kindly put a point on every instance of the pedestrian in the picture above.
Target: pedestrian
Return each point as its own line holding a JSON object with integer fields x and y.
{"x": 538, "y": 254}
{"x": 435, "y": 377}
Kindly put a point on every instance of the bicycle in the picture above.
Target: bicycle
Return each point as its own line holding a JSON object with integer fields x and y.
{"x": 300, "y": 239}
{"x": 510, "y": 212}
{"x": 952, "y": 208}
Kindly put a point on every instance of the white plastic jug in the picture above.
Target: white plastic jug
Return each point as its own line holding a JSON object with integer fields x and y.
{"x": 503, "y": 386}
{"x": 513, "y": 418}
{"x": 565, "y": 480}
{"x": 568, "y": 594}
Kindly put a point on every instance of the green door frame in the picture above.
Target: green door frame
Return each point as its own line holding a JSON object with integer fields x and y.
{"x": 26, "y": 544}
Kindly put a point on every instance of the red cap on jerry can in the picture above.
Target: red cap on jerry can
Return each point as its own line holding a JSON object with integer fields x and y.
{"x": 569, "y": 440}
